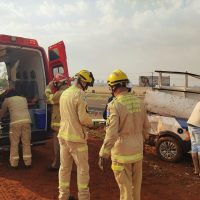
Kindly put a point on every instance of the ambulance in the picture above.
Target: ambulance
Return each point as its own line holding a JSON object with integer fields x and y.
{"x": 29, "y": 70}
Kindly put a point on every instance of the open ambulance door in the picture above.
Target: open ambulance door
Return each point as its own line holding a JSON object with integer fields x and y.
{"x": 57, "y": 61}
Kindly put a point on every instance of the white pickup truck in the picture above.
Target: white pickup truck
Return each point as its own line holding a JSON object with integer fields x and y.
{"x": 170, "y": 136}
{"x": 168, "y": 108}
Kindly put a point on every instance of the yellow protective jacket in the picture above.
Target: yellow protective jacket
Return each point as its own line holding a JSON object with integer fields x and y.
{"x": 53, "y": 98}
{"x": 126, "y": 128}
{"x": 18, "y": 109}
{"x": 73, "y": 111}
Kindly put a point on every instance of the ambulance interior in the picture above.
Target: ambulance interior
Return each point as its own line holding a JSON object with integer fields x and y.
{"x": 25, "y": 73}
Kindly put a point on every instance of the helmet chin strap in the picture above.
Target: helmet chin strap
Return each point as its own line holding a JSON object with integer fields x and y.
{"x": 82, "y": 86}
{"x": 115, "y": 87}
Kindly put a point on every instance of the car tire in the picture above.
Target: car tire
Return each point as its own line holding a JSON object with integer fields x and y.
{"x": 169, "y": 149}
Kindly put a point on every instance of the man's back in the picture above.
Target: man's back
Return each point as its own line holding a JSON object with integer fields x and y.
{"x": 73, "y": 115}
{"x": 132, "y": 114}
{"x": 129, "y": 123}
{"x": 18, "y": 109}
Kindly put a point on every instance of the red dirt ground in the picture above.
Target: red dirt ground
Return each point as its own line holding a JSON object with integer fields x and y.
{"x": 161, "y": 180}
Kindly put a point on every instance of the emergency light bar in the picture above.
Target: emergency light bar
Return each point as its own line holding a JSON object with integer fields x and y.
{"x": 18, "y": 40}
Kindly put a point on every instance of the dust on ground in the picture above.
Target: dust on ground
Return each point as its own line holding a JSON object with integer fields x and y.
{"x": 161, "y": 180}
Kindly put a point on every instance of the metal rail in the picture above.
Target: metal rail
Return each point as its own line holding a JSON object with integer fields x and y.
{"x": 185, "y": 88}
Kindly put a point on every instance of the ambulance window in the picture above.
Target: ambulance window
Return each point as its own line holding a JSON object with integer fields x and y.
{"x": 54, "y": 54}
{"x": 58, "y": 70}
{"x": 3, "y": 77}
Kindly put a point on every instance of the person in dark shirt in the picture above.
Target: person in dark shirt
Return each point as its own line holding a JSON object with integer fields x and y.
{"x": 105, "y": 109}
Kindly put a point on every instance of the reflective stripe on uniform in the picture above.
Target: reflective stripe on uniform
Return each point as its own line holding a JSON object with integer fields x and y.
{"x": 21, "y": 121}
{"x": 106, "y": 151}
{"x": 27, "y": 156}
{"x": 62, "y": 123}
{"x": 64, "y": 184}
{"x": 50, "y": 99}
{"x": 84, "y": 148}
{"x": 55, "y": 124}
{"x": 48, "y": 90}
{"x": 82, "y": 186}
{"x": 132, "y": 104}
{"x": 117, "y": 167}
{"x": 130, "y": 158}
{"x": 15, "y": 157}
{"x": 70, "y": 137}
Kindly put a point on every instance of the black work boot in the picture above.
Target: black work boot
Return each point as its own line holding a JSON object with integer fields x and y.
{"x": 13, "y": 167}
{"x": 27, "y": 166}
{"x": 50, "y": 168}
{"x": 71, "y": 198}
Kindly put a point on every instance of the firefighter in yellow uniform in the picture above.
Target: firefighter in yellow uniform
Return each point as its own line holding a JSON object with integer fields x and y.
{"x": 53, "y": 92}
{"x": 126, "y": 129}
{"x": 20, "y": 128}
{"x": 72, "y": 138}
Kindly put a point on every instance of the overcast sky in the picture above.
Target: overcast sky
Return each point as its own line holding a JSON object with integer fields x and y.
{"x": 137, "y": 36}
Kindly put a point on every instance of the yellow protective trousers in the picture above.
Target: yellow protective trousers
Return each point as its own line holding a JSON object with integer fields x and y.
{"x": 129, "y": 179}
{"x": 20, "y": 132}
{"x": 56, "y": 148}
{"x": 78, "y": 152}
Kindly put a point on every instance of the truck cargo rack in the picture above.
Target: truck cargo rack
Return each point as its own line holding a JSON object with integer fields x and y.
{"x": 184, "y": 88}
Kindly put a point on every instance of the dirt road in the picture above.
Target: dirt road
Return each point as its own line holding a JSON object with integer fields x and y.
{"x": 161, "y": 180}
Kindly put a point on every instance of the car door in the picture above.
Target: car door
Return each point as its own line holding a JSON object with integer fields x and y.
{"x": 57, "y": 60}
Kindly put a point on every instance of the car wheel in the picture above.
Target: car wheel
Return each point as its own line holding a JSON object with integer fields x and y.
{"x": 169, "y": 149}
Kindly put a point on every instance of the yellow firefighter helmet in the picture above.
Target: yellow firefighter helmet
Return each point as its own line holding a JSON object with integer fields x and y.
{"x": 117, "y": 77}
{"x": 85, "y": 76}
